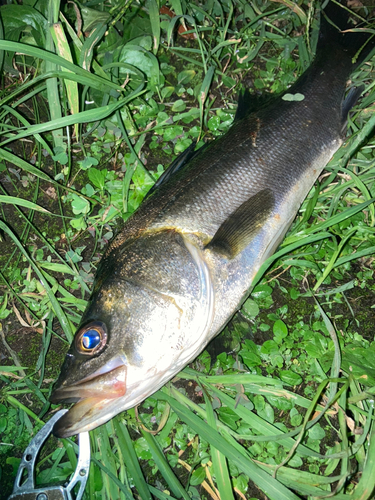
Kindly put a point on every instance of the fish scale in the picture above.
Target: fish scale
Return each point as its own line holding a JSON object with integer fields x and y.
{"x": 185, "y": 261}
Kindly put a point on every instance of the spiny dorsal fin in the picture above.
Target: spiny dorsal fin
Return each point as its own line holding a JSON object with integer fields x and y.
{"x": 240, "y": 228}
{"x": 181, "y": 160}
{"x": 249, "y": 103}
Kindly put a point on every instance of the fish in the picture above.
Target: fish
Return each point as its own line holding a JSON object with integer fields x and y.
{"x": 185, "y": 261}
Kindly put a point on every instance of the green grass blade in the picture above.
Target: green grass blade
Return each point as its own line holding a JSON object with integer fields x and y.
{"x": 160, "y": 494}
{"x": 132, "y": 463}
{"x": 271, "y": 487}
{"x": 70, "y": 451}
{"x": 52, "y": 84}
{"x": 108, "y": 458}
{"x": 23, "y": 120}
{"x": 164, "y": 467}
{"x": 355, "y": 142}
{"x": 363, "y": 188}
{"x": 63, "y": 49}
{"x": 57, "y": 268}
{"x": 205, "y": 87}
{"x": 289, "y": 248}
{"x": 336, "y": 219}
{"x": 302, "y": 481}
{"x": 366, "y": 486}
{"x": 256, "y": 384}
{"x": 238, "y": 378}
{"x": 264, "y": 428}
{"x": 355, "y": 255}
{"x": 334, "y": 257}
{"x": 31, "y": 169}
{"x": 105, "y": 86}
{"x": 54, "y": 302}
{"x": 219, "y": 461}
{"x": 87, "y": 50}
{"x": 13, "y": 200}
{"x": 153, "y": 11}
{"x": 83, "y": 117}
{"x": 12, "y": 369}
{"x": 115, "y": 480}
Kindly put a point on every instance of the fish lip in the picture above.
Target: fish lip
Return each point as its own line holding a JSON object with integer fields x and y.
{"x": 79, "y": 418}
{"x": 87, "y": 414}
{"x": 94, "y": 396}
{"x": 71, "y": 393}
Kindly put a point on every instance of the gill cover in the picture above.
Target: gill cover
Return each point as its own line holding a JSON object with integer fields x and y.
{"x": 148, "y": 317}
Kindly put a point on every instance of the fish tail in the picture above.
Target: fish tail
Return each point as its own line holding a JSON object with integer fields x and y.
{"x": 337, "y": 38}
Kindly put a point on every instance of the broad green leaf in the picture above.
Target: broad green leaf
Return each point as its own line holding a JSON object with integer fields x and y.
{"x": 280, "y": 331}
{"x": 198, "y": 476}
{"x": 80, "y": 205}
{"x": 97, "y": 177}
{"x": 17, "y": 18}
{"x": 290, "y": 378}
{"x": 251, "y": 308}
{"x": 179, "y": 105}
{"x": 185, "y": 76}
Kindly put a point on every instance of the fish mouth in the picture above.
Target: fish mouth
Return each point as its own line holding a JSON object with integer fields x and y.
{"x": 94, "y": 396}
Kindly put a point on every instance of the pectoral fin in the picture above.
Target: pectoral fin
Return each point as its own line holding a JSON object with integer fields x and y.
{"x": 240, "y": 228}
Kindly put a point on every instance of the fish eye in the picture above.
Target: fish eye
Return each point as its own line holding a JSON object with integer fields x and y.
{"x": 91, "y": 338}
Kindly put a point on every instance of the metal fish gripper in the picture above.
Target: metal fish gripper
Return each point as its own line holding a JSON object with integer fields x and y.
{"x": 25, "y": 489}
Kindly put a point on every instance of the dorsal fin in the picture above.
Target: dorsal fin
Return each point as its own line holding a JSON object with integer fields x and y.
{"x": 181, "y": 160}
{"x": 249, "y": 103}
{"x": 240, "y": 228}
{"x": 245, "y": 104}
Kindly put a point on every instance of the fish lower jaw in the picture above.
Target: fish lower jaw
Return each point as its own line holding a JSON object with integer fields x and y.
{"x": 98, "y": 405}
{"x": 91, "y": 412}
{"x": 139, "y": 391}
{"x": 141, "y": 383}
{"x": 85, "y": 416}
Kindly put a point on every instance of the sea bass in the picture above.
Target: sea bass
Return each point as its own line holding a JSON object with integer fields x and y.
{"x": 185, "y": 261}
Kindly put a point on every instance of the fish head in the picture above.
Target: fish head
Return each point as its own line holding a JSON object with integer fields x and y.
{"x": 132, "y": 339}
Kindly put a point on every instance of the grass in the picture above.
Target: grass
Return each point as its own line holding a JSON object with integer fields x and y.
{"x": 92, "y": 112}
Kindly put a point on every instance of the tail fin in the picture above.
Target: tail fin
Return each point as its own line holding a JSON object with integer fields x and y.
{"x": 348, "y": 46}
{"x": 336, "y": 31}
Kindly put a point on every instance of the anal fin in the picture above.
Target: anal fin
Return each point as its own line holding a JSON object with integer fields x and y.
{"x": 350, "y": 101}
{"x": 240, "y": 228}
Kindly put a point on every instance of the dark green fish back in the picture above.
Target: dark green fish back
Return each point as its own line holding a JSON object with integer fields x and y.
{"x": 268, "y": 149}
